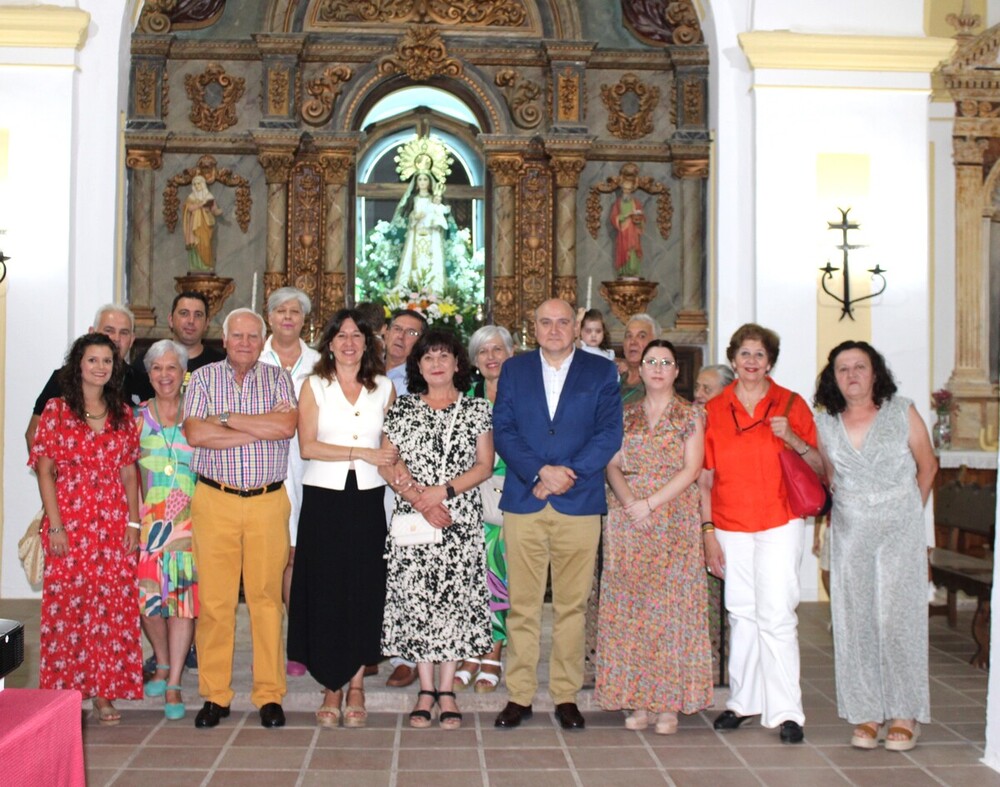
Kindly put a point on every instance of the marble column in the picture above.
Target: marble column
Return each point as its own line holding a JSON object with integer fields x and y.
{"x": 692, "y": 174}
{"x": 141, "y": 163}
{"x": 336, "y": 168}
{"x": 505, "y": 170}
{"x": 567, "y": 170}
{"x": 277, "y": 163}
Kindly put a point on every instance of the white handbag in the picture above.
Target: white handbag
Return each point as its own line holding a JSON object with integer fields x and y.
{"x": 414, "y": 529}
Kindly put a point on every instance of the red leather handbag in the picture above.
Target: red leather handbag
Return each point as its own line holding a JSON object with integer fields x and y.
{"x": 807, "y": 495}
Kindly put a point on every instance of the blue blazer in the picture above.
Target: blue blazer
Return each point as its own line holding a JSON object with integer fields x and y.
{"x": 585, "y": 433}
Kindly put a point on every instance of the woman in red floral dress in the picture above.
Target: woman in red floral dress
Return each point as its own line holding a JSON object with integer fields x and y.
{"x": 84, "y": 454}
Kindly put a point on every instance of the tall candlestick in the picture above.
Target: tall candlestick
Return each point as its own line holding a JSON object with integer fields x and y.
{"x": 590, "y": 283}
{"x": 253, "y": 293}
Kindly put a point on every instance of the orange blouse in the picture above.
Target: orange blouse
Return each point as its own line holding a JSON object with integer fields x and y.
{"x": 748, "y": 494}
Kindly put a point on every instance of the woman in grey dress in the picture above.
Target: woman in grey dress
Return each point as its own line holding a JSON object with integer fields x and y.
{"x": 880, "y": 462}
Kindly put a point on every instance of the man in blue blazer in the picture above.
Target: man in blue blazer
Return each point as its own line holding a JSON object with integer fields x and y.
{"x": 557, "y": 423}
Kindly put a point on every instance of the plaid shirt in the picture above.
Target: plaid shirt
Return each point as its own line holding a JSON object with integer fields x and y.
{"x": 213, "y": 390}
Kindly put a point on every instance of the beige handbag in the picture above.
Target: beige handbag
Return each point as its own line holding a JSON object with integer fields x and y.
{"x": 30, "y": 552}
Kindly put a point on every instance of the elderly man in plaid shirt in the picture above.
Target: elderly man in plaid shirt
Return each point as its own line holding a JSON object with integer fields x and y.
{"x": 239, "y": 415}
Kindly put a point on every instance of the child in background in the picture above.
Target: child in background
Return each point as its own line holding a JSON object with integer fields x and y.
{"x": 593, "y": 335}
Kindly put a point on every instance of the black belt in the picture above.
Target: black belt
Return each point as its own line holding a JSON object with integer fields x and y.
{"x": 229, "y": 490}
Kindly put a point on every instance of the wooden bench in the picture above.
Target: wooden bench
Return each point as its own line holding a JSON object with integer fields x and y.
{"x": 964, "y": 510}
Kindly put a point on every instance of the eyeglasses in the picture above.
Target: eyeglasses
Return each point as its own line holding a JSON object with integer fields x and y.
{"x": 741, "y": 429}
{"x": 407, "y": 331}
{"x": 666, "y": 363}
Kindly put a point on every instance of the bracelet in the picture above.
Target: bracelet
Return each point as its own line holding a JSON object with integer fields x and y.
{"x": 803, "y": 453}
{"x": 708, "y": 525}
{"x": 709, "y": 529}
{"x": 56, "y": 530}
{"x": 135, "y": 525}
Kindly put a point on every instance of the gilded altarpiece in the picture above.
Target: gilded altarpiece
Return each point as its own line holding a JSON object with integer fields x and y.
{"x": 566, "y": 95}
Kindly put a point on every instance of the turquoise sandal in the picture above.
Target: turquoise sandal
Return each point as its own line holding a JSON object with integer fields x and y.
{"x": 156, "y": 688}
{"x": 174, "y": 710}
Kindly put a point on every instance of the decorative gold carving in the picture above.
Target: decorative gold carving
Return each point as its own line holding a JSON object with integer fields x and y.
{"x": 336, "y": 167}
{"x": 694, "y": 103}
{"x": 208, "y": 168}
{"x": 664, "y": 203}
{"x": 324, "y": 91}
{"x": 274, "y": 280}
{"x": 628, "y": 296}
{"x": 143, "y": 159}
{"x": 215, "y": 289}
{"x": 565, "y": 288}
{"x": 145, "y": 90}
{"x": 535, "y": 243}
{"x": 277, "y": 91}
{"x": 473, "y": 13}
{"x": 505, "y": 168}
{"x": 964, "y": 23}
{"x": 662, "y": 22}
{"x": 223, "y": 115}
{"x": 568, "y": 93}
{"x": 164, "y": 93}
{"x": 276, "y": 164}
{"x": 420, "y": 54}
{"x": 567, "y": 170}
{"x": 334, "y": 293}
{"x": 522, "y": 98}
{"x": 969, "y": 150}
{"x": 978, "y": 108}
{"x": 306, "y": 235}
{"x": 691, "y": 168}
{"x": 505, "y": 302}
{"x": 155, "y": 18}
{"x": 621, "y": 123}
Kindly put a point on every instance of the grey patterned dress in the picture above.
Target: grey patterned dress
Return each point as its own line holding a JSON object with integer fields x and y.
{"x": 437, "y": 600}
{"x": 878, "y": 570}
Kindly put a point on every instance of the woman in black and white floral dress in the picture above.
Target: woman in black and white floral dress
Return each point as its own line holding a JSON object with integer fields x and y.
{"x": 437, "y": 601}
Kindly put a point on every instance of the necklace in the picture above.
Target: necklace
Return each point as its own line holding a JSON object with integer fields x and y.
{"x": 168, "y": 468}
{"x": 96, "y": 416}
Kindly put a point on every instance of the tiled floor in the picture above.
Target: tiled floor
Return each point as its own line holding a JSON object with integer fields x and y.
{"x": 144, "y": 749}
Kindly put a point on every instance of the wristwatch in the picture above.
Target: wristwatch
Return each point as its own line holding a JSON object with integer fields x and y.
{"x": 450, "y": 490}
{"x": 224, "y": 419}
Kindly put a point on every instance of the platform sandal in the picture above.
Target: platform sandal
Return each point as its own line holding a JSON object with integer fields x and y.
{"x": 419, "y": 718}
{"x": 487, "y": 682}
{"x": 448, "y": 719}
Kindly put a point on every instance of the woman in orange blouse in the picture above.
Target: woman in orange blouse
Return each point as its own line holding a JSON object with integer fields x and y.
{"x": 752, "y": 538}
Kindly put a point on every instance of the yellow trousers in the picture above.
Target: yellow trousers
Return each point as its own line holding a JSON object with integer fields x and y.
{"x": 232, "y": 536}
{"x": 569, "y": 545}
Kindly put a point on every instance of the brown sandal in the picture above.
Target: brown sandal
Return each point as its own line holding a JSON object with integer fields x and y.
{"x": 907, "y": 742}
{"x": 355, "y": 716}
{"x": 865, "y": 736}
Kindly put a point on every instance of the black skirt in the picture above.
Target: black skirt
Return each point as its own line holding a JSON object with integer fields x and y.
{"x": 338, "y": 582}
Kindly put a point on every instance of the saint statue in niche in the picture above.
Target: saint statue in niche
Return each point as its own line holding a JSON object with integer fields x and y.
{"x": 422, "y": 214}
{"x": 200, "y": 210}
{"x": 628, "y": 219}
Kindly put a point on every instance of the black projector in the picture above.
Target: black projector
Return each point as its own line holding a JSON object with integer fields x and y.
{"x": 11, "y": 646}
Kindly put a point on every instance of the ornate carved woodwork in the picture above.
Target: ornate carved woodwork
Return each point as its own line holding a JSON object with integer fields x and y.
{"x": 693, "y": 101}
{"x": 162, "y": 16}
{"x": 524, "y": 98}
{"x": 568, "y": 96}
{"x": 208, "y": 168}
{"x": 567, "y": 170}
{"x": 691, "y": 168}
{"x": 143, "y": 159}
{"x": 662, "y": 22}
{"x": 274, "y": 280}
{"x": 621, "y": 122}
{"x": 420, "y": 54}
{"x": 306, "y": 236}
{"x": 472, "y": 13}
{"x": 276, "y": 163}
{"x": 628, "y": 296}
{"x": 216, "y": 289}
{"x": 214, "y": 117}
{"x": 664, "y": 202}
{"x": 334, "y": 294}
{"x": 534, "y": 243}
{"x": 505, "y": 302}
{"x": 323, "y": 91}
{"x": 565, "y": 288}
{"x": 145, "y": 89}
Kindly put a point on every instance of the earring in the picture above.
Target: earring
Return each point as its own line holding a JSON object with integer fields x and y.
{"x": 329, "y": 354}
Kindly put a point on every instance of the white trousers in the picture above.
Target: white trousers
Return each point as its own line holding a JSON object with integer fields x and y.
{"x": 762, "y": 593}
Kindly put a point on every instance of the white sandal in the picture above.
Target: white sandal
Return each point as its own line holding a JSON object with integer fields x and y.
{"x": 464, "y": 677}
{"x": 487, "y": 682}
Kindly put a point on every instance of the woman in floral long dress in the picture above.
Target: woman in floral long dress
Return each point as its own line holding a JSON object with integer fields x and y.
{"x": 653, "y": 648}
{"x": 84, "y": 454}
{"x": 168, "y": 581}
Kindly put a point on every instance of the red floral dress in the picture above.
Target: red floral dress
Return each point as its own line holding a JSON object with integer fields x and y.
{"x": 90, "y": 637}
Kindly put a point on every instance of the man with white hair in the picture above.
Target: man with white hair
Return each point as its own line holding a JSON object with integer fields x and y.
{"x": 239, "y": 415}
{"x": 118, "y": 324}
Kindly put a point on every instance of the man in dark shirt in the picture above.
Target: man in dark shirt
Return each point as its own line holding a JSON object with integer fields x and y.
{"x": 188, "y": 323}
{"x": 118, "y": 324}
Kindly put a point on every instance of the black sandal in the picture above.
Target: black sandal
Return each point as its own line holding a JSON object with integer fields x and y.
{"x": 448, "y": 719}
{"x": 421, "y": 719}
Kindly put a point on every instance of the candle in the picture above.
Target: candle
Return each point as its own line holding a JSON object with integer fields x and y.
{"x": 253, "y": 293}
{"x": 590, "y": 283}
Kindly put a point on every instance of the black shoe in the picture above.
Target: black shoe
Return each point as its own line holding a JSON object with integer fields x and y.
{"x": 727, "y": 720}
{"x": 512, "y": 715}
{"x": 569, "y": 716}
{"x": 792, "y": 732}
{"x": 271, "y": 715}
{"x": 149, "y": 667}
{"x": 191, "y": 661}
{"x": 210, "y": 714}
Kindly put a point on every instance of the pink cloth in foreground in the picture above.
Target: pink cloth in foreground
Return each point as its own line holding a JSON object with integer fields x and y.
{"x": 41, "y": 737}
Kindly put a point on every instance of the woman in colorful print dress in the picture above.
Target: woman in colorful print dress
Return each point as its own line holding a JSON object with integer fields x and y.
{"x": 489, "y": 347}
{"x": 653, "y": 649}
{"x": 168, "y": 581}
{"x": 84, "y": 454}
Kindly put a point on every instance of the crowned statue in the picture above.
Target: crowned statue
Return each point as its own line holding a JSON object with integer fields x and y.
{"x": 422, "y": 214}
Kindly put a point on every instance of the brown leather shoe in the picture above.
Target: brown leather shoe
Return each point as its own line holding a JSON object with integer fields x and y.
{"x": 512, "y": 715}
{"x": 569, "y": 716}
{"x": 402, "y": 676}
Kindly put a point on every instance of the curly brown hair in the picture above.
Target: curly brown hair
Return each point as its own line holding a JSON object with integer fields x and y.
{"x": 437, "y": 340}
{"x": 753, "y": 332}
{"x": 828, "y": 393}
{"x": 71, "y": 382}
